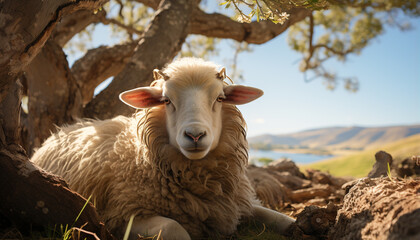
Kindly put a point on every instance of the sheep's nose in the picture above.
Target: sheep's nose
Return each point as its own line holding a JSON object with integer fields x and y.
{"x": 194, "y": 136}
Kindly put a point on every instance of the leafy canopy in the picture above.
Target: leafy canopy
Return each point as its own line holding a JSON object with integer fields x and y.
{"x": 335, "y": 29}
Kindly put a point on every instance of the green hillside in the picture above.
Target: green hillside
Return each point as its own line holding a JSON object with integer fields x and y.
{"x": 335, "y": 139}
{"x": 359, "y": 164}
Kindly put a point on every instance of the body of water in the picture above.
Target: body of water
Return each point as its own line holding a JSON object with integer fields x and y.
{"x": 300, "y": 158}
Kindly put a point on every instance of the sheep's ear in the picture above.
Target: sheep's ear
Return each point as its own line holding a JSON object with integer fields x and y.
{"x": 158, "y": 74}
{"x": 238, "y": 94}
{"x": 144, "y": 97}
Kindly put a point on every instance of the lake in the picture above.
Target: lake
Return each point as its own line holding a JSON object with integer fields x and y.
{"x": 300, "y": 158}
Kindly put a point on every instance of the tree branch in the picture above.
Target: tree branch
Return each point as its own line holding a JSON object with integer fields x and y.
{"x": 150, "y": 3}
{"x": 28, "y": 38}
{"x": 74, "y": 23}
{"x": 130, "y": 29}
{"x": 99, "y": 64}
{"x": 359, "y": 4}
{"x": 221, "y": 26}
{"x": 312, "y": 48}
{"x": 160, "y": 43}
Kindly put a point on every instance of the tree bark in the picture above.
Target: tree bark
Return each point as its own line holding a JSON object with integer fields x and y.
{"x": 54, "y": 96}
{"x": 99, "y": 64}
{"x": 21, "y": 39}
{"x": 33, "y": 198}
{"x": 73, "y": 24}
{"x": 220, "y": 26}
{"x": 28, "y": 195}
{"x": 10, "y": 98}
{"x": 160, "y": 43}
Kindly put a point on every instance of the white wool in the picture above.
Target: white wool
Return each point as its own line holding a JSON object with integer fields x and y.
{"x": 129, "y": 167}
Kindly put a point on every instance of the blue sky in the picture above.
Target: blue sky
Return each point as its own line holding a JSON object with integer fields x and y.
{"x": 388, "y": 71}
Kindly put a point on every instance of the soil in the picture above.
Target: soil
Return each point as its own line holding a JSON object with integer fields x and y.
{"x": 327, "y": 207}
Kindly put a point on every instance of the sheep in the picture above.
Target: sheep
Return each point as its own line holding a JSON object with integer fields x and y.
{"x": 178, "y": 165}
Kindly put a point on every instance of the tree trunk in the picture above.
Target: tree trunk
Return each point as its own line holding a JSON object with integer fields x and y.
{"x": 27, "y": 194}
{"x": 53, "y": 92}
{"x": 31, "y": 198}
{"x": 54, "y": 96}
{"x": 160, "y": 43}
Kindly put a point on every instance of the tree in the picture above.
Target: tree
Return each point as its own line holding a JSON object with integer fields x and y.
{"x": 28, "y": 195}
{"x": 33, "y": 65}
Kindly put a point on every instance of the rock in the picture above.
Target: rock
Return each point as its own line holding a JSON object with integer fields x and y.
{"x": 317, "y": 176}
{"x": 316, "y": 201}
{"x": 313, "y": 222}
{"x": 286, "y": 165}
{"x": 380, "y": 208}
{"x": 291, "y": 181}
{"x": 320, "y": 191}
{"x": 408, "y": 167}
{"x": 380, "y": 168}
{"x": 348, "y": 185}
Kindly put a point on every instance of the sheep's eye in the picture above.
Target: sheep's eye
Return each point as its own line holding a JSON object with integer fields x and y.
{"x": 166, "y": 101}
{"x": 220, "y": 99}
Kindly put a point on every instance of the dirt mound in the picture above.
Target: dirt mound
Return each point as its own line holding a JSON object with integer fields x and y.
{"x": 313, "y": 222}
{"x": 328, "y": 207}
{"x": 408, "y": 167}
{"x": 289, "y": 190}
{"x": 380, "y": 208}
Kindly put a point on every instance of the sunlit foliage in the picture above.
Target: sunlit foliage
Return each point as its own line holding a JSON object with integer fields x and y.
{"x": 336, "y": 29}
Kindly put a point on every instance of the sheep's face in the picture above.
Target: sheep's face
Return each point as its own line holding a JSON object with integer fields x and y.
{"x": 193, "y": 99}
{"x": 193, "y": 116}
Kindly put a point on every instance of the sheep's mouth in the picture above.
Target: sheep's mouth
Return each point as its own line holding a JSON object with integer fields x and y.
{"x": 194, "y": 150}
{"x": 194, "y": 153}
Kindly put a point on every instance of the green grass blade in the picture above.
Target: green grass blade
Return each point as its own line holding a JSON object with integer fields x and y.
{"x": 83, "y": 208}
{"x": 389, "y": 173}
{"x": 128, "y": 229}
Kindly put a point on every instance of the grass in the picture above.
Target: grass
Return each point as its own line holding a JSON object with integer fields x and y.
{"x": 67, "y": 232}
{"x": 248, "y": 230}
{"x": 254, "y": 230}
{"x": 128, "y": 229}
{"x": 359, "y": 164}
{"x": 389, "y": 173}
{"x": 62, "y": 232}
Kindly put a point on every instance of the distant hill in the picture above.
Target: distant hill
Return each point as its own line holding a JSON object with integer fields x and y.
{"x": 360, "y": 164}
{"x": 336, "y": 138}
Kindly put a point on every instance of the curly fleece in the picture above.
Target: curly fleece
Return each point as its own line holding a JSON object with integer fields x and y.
{"x": 129, "y": 168}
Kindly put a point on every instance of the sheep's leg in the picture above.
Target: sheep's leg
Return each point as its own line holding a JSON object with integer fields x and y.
{"x": 274, "y": 220}
{"x": 170, "y": 229}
